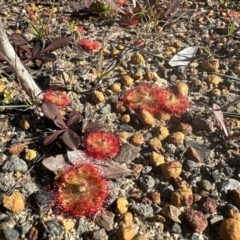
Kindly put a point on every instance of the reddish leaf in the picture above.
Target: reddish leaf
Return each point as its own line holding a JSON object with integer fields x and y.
{"x": 92, "y": 126}
{"x": 74, "y": 118}
{"x": 49, "y": 57}
{"x": 71, "y": 139}
{"x": 76, "y": 6}
{"x": 19, "y": 41}
{"x": 50, "y": 110}
{"x": 59, "y": 121}
{"x": 218, "y": 114}
{"x": 57, "y": 43}
{"x": 37, "y": 48}
{"x": 49, "y": 139}
{"x": 114, "y": 170}
{"x": 55, "y": 163}
{"x": 173, "y": 5}
{"x": 2, "y": 58}
{"x": 87, "y": 3}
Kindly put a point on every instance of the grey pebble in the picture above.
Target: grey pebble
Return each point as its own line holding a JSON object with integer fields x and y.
{"x": 7, "y": 181}
{"x": 42, "y": 197}
{"x": 143, "y": 209}
{"x": 15, "y": 164}
{"x": 10, "y": 234}
{"x": 229, "y": 184}
{"x": 176, "y": 228}
{"x": 52, "y": 230}
{"x": 126, "y": 127}
{"x": 146, "y": 183}
{"x": 100, "y": 235}
{"x": 205, "y": 185}
{"x": 29, "y": 188}
{"x": 19, "y": 137}
{"x": 106, "y": 109}
{"x": 196, "y": 237}
{"x": 146, "y": 169}
{"x": 191, "y": 166}
{"x": 215, "y": 220}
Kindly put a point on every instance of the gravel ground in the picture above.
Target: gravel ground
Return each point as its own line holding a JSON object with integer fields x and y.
{"x": 178, "y": 171}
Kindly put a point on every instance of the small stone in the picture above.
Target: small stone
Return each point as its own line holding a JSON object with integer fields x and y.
{"x": 137, "y": 59}
{"x": 229, "y": 229}
{"x": 155, "y": 143}
{"x": 176, "y": 138}
{"x": 30, "y": 154}
{"x": 123, "y": 135}
{"x": 207, "y": 205}
{"x": 126, "y": 233}
{"x": 116, "y": 87}
{"x": 155, "y": 197}
{"x": 120, "y": 47}
{"x": 42, "y": 197}
{"x": 146, "y": 118}
{"x": 216, "y": 92}
{"x": 211, "y": 65}
{"x": 149, "y": 75}
{"x": 97, "y": 97}
{"x": 171, "y": 212}
{"x": 115, "y": 52}
{"x": 182, "y": 197}
{"x": 52, "y": 230}
{"x": 15, "y": 164}
{"x": 10, "y": 234}
{"x": 126, "y": 128}
{"x": 127, "y": 81}
{"x": 236, "y": 68}
{"x": 137, "y": 139}
{"x": 171, "y": 169}
{"x": 236, "y": 197}
{"x": 171, "y": 49}
{"x": 138, "y": 76}
{"x": 229, "y": 184}
{"x": 140, "y": 237}
{"x": 205, "y": 185}
{"x": 126, "y": 118}
{"x": 176, "y": 228}
{"x": 121, "y": 205}
{"x": 182, "y": 88}
{"x": 233, "y": 213}
{"x": 126, "y": 219}
{"x": 105, "y": 219}
{"x": 196, "y": 220}
{"x": 100, "y": 234}
{"x": 146, "y": 182}
{"x": 191, "y": 166}
{"x": 162, "y": 133}
{"x": 14, "y": 202}
{"x": 163, "y": 115}
{"x": 193, "y": 154}
{"x": 105, "y": 109}
{"x": 25, "y": 123}
{"x": 68, "y": 224}
{"x": 156, "y": 159}
{"x": 214, "y": 79}
{"x": 185, "y": 128}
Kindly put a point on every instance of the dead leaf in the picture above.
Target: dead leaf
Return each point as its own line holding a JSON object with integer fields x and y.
{"x": 183, "y": 57}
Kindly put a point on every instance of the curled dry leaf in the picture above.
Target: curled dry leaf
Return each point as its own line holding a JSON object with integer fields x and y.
{"x": 183, "y": 57}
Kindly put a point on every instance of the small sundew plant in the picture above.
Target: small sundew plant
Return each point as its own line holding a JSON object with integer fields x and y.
{"x": 102, "y": 145}
{"x": 80, "y": 191}
{"x": 154, "y": 100}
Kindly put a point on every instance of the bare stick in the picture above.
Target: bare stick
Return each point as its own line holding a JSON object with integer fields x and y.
{"x": 15, "y": 63}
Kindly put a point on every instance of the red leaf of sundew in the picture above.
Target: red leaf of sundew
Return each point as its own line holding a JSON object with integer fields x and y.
{"x": 218, "y": 114}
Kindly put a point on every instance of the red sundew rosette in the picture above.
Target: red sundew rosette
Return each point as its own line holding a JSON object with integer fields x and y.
{"x": 89, "y": 44}
{"x": 81, "y": 191}
{"x": 60, "y": 99}
{"x": 143, "y": 97}
{"x": 102, "y": 145}
{"x": 173, "y": 103}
